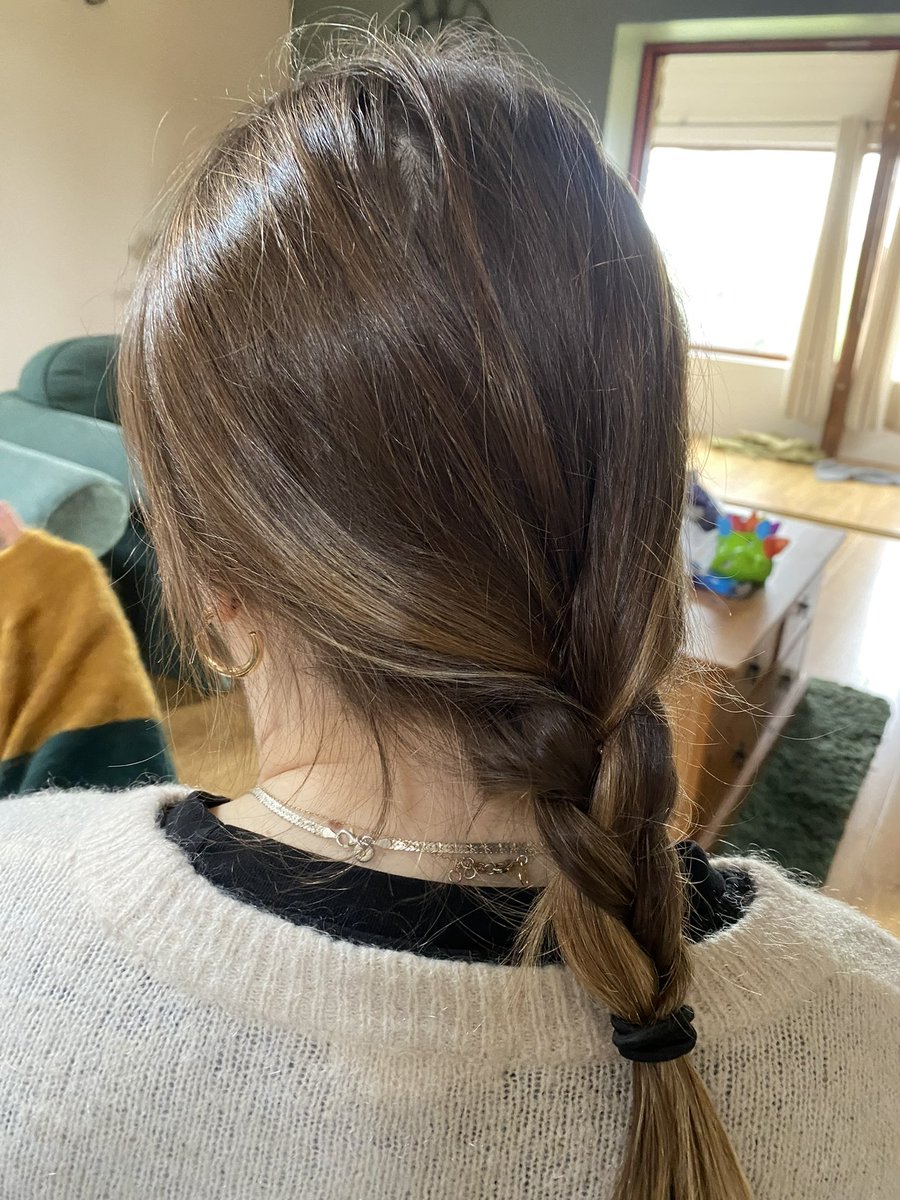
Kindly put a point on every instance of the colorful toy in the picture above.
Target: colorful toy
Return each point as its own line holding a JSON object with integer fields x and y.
{"x": 742, "y": 555}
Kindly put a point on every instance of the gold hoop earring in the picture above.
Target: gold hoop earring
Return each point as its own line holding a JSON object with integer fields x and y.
{"x": 230, "y": 670}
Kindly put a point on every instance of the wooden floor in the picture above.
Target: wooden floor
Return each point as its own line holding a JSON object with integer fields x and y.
{"x": 793, "y": 490}
{"x": 853, "y": 641}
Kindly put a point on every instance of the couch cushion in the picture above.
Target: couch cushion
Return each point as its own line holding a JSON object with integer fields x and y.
{"x": 78, "y": 375}
{"x": 93, "y": 444}
{"x": 63, "y": 498}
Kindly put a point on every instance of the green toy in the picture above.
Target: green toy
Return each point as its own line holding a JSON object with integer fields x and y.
{"x": 740, "y": 556}
{"x": 745, "y": 549}
{"x": 741, "y": 560}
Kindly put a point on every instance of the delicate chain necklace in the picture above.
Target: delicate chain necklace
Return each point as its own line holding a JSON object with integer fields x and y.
{"x": 470, "y": 859}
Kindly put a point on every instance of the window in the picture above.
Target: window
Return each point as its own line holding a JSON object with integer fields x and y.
{"x": 739, "y": 229}
{"x": 739, "y": 164}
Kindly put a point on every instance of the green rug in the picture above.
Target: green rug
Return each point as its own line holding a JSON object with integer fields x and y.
{"x": 799, "y": 804}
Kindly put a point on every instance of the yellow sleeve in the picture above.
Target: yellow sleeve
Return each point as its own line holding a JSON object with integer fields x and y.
{"x": 68, "y": 658}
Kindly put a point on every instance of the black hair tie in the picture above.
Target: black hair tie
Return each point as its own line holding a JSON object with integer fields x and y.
{"x": 663, "y": 1041}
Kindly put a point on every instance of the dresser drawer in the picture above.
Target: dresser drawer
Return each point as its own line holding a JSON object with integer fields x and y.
{"x": 734, "y": 732}
{"x": 790, "y": 660}
{"x": 750, "y": 674}
{"x": 799, "y": 615}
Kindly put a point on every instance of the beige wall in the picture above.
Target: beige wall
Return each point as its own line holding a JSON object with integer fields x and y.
{"x": 732, "y": 393}
{"x": 98, "y": 104}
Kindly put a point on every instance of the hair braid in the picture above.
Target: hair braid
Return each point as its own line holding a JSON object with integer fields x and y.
{"x": 617, "y": 910}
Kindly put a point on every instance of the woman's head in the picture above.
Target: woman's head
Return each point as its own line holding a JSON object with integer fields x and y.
{"x": 405, "y": 378}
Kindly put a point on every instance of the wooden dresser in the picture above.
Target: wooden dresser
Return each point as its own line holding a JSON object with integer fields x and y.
{"x": 745, "y": 677}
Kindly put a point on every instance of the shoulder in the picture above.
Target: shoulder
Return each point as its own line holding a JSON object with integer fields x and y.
{"x": 794, "y": 907}
{"x": 798, "y": 1016}
{"x": 795, "y": 948}
{"x": 47, "y": 825}
{"x": 53, "y": 848}
{"x": 41, "y": 811}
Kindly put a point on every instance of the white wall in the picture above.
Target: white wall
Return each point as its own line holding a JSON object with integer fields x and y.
{"x": 729, "y": 394}
{"x": 98, "y": 104}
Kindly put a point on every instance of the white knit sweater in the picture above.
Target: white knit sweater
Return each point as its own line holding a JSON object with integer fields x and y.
{"x": 161, "y": 1040}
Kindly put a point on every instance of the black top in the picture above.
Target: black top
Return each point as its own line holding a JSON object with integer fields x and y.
{"x": 373, "y": 908}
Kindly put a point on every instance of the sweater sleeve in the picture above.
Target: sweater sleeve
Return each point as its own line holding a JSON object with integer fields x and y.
{"x": 76, "y": 706}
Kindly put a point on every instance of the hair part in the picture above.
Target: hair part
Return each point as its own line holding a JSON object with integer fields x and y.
{"x": 405, "y": 375}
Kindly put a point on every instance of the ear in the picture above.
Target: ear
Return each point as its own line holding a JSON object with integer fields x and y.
{"x": 224, "y": 609}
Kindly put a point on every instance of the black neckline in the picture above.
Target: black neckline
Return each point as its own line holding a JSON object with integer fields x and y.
{"x": 368, "y": 907}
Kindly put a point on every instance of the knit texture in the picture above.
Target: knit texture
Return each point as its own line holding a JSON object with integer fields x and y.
{"x": 162, "y": 1040}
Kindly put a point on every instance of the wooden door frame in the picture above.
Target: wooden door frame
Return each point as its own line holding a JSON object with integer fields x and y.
{"x": 654, "y": 52}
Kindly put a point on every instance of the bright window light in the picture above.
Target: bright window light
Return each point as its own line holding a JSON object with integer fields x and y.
{"x": 739, "y": 229}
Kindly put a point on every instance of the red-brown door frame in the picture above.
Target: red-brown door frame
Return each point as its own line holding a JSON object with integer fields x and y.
{"x": 653, "y": 52}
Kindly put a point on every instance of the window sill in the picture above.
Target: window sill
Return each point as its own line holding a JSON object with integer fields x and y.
{"x": 746, "y": 357}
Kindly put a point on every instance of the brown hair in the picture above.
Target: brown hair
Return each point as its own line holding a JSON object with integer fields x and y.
{"x": 406, "y": 377}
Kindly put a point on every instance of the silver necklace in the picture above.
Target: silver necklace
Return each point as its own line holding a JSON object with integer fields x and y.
{"x": 469, "y": 859}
